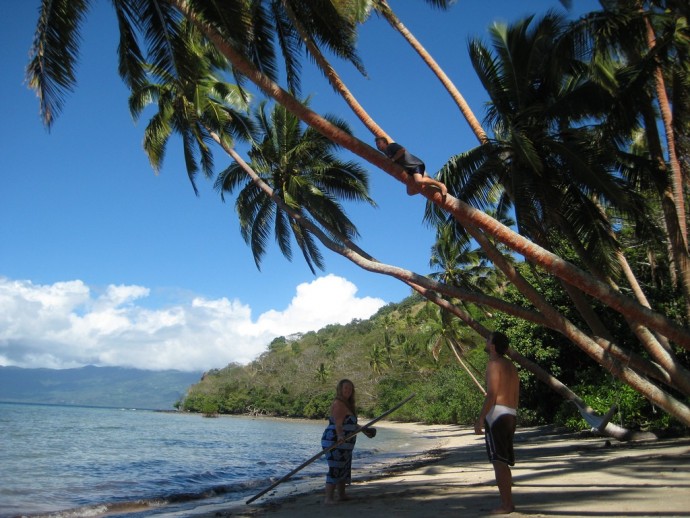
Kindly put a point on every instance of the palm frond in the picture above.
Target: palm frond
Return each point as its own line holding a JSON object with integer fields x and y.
{"x": 54, "y": 53}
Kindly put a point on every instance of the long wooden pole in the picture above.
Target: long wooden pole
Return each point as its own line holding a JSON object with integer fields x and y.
{"x": 326, "y": 450}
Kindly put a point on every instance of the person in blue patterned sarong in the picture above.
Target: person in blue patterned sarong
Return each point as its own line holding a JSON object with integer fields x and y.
{"x": 342, "y": 422}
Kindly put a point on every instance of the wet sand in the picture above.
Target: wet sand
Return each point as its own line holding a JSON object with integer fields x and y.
{"x": 556, "y": 474}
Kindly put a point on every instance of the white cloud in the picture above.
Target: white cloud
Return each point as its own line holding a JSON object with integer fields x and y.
{"x": 66, "y": 325}
{"x": 326, "y": 300}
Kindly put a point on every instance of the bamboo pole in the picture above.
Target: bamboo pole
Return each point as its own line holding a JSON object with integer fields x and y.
{"x": 326, "y": 450}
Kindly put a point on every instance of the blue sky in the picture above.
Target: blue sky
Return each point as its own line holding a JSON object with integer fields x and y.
{"x": 104, "y": 262}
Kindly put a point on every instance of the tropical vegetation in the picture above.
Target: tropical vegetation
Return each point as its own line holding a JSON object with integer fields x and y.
{"x": 565, "y": 225}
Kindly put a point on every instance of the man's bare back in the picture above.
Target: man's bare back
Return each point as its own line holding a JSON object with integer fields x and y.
{"x": 507, "y": 383}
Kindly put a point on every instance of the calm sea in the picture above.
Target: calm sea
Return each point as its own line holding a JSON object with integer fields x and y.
{"x": 62, "y": 461}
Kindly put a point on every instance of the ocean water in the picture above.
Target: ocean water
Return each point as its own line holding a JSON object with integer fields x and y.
{"x": 62, "y": 461}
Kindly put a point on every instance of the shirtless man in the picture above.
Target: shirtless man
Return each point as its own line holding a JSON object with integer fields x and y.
{"x": 413, "y": 165}
{"x": 498, "y": 416}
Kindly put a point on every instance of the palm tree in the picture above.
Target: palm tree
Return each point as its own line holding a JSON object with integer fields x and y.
{"x": 224, "y": 29}
{"x": 445, "y": 332}
{"x": 385, "y": 10}
{"x": 648, "y": 43}
{"x": 323, "y": 373}
{"x": 627, "y": 63}
{"x": 193, "y": 104}
{"x": 455, "y": 262}
{"x": 229, "y": 40}
{"x": 550, "y": 172}
{"x": 325, "y": 66}
{"x": 302, "y": 169}
{"x": 359, "y": 11}
{"x": 553, "y": 174}
{"x": 377, "y": 359}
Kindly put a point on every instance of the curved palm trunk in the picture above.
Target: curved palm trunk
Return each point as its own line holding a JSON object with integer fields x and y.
{"x": 612, "y": 430}
{"x": 578, "y": 298}
{"x": 637, "y": 291}
{"x": 463, "y": 213}
{"x": 458, "y": 357}
{"x": 333, "y": 77}
{"x": 667, "y": 368}
{"x": 472, "y": 218}
{"x": 672, "y": 198}
{"x": 466, "y": 111}
{"x": 559, "y": 323}
{"x": 682, "y": 261}
{"x": 605, "y": 340}
{"x": 351, "y": 251}
{"x": 667, "y": 119}
{"x": 657, "y": 346}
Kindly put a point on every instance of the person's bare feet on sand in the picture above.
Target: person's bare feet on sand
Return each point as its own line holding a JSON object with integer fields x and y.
{"x": 503, "y": 510}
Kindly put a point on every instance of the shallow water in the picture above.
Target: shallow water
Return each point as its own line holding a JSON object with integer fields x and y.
{"x": 62, "y": 461}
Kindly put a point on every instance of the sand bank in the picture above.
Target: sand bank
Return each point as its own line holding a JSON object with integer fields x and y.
{"x": 557, "y": 474}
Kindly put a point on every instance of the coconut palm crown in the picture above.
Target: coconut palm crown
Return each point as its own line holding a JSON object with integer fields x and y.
{"x": 303, "y": 170}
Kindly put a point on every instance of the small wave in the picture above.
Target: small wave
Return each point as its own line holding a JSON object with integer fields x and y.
{"x": 149, "y": 506}
{"x": 98, "y": 510}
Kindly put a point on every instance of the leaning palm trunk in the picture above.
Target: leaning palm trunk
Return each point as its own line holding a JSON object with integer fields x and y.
{"x": 657, "y": 346}
{"x": 667, "y": 368}
{"x": 606, "y": 341}
{"x": 612, "y": 430}
{"x": 466, "y": 111}
{"x": 458, "y": 356}
{"x": 578, "y": 298}
{"x": 585, "y": 308}
{"x": 559, "y": 323}
{"x": 333, "y": 77}
{"x": 617, "y": 432}
{"x": 637, "y": 291}
{"x": 667, "y": 119}
{"x": 463, "y": 213}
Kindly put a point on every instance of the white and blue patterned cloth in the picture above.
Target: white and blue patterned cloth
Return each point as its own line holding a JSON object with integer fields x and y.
{"x": 340, "y": 458}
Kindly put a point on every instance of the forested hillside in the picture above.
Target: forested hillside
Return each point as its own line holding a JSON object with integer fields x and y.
{"x": 387, "y": 357}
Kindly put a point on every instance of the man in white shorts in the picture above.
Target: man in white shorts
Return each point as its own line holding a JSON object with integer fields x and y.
{"x": 498, "y": 416}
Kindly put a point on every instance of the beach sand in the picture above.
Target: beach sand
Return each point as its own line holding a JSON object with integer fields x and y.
{"x": 556, "y": 474}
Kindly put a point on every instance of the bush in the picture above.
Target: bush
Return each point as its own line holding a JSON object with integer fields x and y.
{"x": 318, "y": 406}
{"x": 445, "y": 396}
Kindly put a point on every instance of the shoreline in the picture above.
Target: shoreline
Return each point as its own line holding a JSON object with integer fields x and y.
{"x": 556, "y": 474}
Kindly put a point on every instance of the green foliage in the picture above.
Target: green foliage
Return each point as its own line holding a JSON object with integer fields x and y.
{"x": 558, "y": 356}
{"x": 634, "y": 411}
{"x": 446, "y": 395}
{"x": 318, "y": 406}
{"x": 385, "y": 356}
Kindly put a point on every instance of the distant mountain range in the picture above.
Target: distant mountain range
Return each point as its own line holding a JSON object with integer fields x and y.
{"x": 116, "y": 387}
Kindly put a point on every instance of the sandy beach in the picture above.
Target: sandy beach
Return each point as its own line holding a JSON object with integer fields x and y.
{"x": 556, "y": 474}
